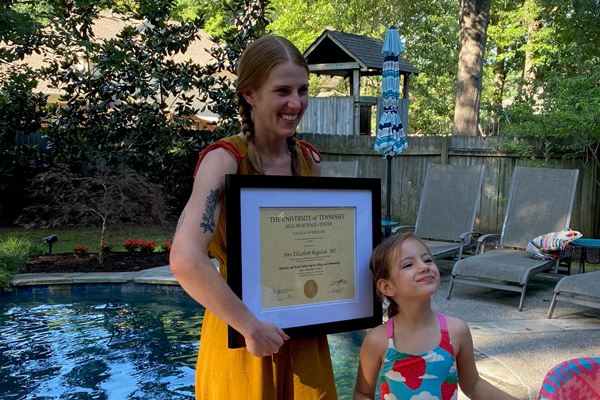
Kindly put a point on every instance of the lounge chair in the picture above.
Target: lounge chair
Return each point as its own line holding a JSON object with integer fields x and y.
{"x": 447, "y": 209}
{"x": 540, "y": 201}
{"x": 583, "y": 289}
{"x": 334, "y": 169}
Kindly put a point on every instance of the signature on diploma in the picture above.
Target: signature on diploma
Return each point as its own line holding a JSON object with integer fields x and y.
{"x": 337, "y": 286}
{"x": 281, "y": 293}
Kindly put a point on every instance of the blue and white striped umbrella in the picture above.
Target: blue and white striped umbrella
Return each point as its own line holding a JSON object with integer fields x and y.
{"x": 391, "y": 139}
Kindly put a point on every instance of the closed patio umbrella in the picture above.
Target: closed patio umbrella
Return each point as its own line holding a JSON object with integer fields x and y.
{"x": 391, "y": 139}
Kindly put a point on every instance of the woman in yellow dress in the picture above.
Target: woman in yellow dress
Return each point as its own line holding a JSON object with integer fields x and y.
{"x": 272, "y": 93}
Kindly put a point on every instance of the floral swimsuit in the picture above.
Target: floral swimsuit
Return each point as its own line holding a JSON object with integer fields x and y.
{"x": 427, "y": 376}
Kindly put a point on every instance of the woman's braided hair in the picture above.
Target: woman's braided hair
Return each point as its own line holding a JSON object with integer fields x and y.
{"x": 253, "y": 69}
{"x": 380, "y": 264}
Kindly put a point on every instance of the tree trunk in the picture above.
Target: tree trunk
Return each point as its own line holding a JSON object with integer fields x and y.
{"x": 474, "y": 17}
{"x": 498, "y": 94}
{"x": 499, "y": 79}
{"x": 532, "y": 20}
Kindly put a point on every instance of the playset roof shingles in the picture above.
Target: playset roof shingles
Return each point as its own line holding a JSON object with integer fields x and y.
{"x": 334, "y": 47}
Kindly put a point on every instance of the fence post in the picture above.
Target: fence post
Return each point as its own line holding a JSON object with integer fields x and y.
{"x": 445, "y": 149}
{"x": 356, "y": 102}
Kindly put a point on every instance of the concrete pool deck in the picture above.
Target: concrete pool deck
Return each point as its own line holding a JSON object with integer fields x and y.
{"x": 514, "y": 350}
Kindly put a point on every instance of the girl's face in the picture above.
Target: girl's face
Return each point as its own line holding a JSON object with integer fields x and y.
{"x": 279, "y": 104}
{"x": 413, "y": 272}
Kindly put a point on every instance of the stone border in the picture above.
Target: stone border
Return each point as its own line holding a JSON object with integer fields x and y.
{"x": 154, "y": 280}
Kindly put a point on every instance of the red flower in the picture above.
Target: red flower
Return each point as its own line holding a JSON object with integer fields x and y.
{"x": 131, "y": 245}
{"x": 146, "y": 246}
{"x": 81, "y": 249}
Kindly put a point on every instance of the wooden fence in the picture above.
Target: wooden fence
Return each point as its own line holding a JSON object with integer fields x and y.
{"x": 408, "y": 174}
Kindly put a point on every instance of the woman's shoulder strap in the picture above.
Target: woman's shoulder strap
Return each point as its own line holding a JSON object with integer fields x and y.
{"x": 228, "y": 144}
{"x": 309, "y": 152}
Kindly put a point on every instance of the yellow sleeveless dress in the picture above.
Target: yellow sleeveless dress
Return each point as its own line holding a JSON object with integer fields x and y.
{"x": 301, "y": 370}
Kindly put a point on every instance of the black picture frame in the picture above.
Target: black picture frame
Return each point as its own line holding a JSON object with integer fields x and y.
{"x": 247, "y": 197}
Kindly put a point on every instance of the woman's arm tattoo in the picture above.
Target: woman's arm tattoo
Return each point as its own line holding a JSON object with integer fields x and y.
{"x": 208, "y": 218}
{"x": 180, "y": 222}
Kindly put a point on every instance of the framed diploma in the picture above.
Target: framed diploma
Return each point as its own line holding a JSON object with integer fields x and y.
{"x": 298, "y": 251}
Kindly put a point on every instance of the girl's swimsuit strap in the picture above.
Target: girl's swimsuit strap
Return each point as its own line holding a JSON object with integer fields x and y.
{"x": 443, "y": 322}
{"x": 390, "y": 327}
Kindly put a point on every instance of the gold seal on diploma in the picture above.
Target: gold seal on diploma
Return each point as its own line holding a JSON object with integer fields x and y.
{"x": 310, "y": 289}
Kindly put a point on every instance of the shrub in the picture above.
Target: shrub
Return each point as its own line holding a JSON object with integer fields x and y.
{"x": 106, "y": 247}
{"x": 14, "y": 253}
{"x": 81, "y": 249}
{"x": 147, "y": 247}
{"x": 144, "y": 246}
{"x": 132, "y": 245}
{"x": 164, "y": 246}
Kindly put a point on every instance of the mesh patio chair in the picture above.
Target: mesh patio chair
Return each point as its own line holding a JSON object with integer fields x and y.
{"x": 348, "y": 169}
{"x": 447, "y": 209}
{"x": 540, "y": 201}
{"x": 582, "y": 289}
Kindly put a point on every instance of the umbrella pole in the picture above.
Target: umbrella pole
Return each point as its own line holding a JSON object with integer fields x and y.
{"x": 388, "y": 216}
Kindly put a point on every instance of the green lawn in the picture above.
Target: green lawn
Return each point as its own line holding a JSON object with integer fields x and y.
{"x": 17, "y": 245}
{"x": 90, "y": 237}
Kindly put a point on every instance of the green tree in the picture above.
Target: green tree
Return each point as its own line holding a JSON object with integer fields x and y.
{"x": 22, "y": 114}
{"x": 430, "y": 32}
{"x": 243, "y": 22}
{"x": 302, "y": 25}
{"x": 564, "y": 100}
{"x": 20, "y": 22}
{"x": 132, "y": 104}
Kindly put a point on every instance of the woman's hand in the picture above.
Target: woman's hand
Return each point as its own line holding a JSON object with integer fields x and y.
{"x": 265, "y": 339}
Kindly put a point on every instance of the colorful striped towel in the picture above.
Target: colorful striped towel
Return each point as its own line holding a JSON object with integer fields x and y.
{"x": 549, "y": 246}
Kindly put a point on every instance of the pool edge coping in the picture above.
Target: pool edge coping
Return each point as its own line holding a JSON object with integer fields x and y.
{"x": 157, "y": 275}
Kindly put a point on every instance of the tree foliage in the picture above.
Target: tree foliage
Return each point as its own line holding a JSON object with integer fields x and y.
{"x": 539, "y": 74}
{"x": 429, "y": 30}
{"x": 125, "y": 100}
{"x": 243, "y": 22}
{"x": 563, "y": 102}
{"x": 523, "y": 35}
{"x": 21, "y": 114}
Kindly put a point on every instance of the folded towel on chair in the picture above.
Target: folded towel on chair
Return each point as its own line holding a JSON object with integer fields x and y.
{"x": 549, "y": 246}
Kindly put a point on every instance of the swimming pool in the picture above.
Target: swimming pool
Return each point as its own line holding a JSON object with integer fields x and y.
{"x": 114, "y": 346}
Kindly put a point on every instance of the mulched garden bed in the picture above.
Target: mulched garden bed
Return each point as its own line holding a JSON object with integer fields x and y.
{"x": 113, "y": 262}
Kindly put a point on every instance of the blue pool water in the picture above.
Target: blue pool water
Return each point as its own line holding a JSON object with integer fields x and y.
{"x": 115, "y": 346}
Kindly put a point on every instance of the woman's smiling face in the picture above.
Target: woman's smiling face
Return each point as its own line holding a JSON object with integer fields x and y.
{"x": 279, "y": 104}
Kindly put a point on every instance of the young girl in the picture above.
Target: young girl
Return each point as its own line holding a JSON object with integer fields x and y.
{"x": 417, "y": 353}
